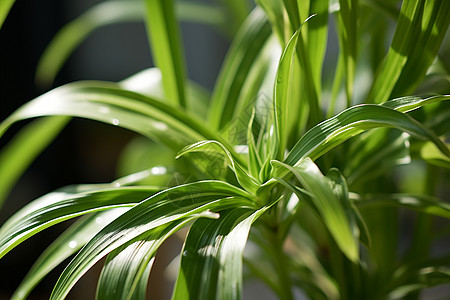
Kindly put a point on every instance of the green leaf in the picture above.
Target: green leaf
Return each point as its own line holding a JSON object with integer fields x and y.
{"x": 65, "y": 204}
{"x": 16, "y": 156}
{"x": 340, "y": 189}
{"x": 327, "y": 204}
{"x": 431, "y": 154}
{"x": 75, "y": 32}
{"x": 211, "y": 263}
{"x": 217, "y": 151}
{"x": 63, "y": 247}
{"x": 128, "y": 265}
{"x": 170, "y": 205}
{"x": 347, "y": 33}
{"x": 282, "y": 96}
{"x": 240, "y": 58}
{"x": 149, "y": 83}
{"x": 422, "y": 203}
{"x": 5, "y": 7}
{"x": 165, "y": 40}
{"x": 374, "y": 152}
{"x": 108, "y": 103}
{"x": 410, "y": 103}
{"x": 72, "y": 34}
{"x": 274, "y": 12}
{"x": 420, "y": 30}
{"x": 352, "y": 121}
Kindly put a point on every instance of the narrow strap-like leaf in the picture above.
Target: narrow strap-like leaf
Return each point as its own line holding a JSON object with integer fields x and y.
{"x": 211, "y": 263}
{"x": 107, "y": 102}
{"x": 5, "y": 6}
{"x": 347, "y": 32}
{"x": 246, "y": 46}
{"x": 62, "y": 205}
{"x": 332, "y": 132}
{"x": 166, "y": 47}
{"x": 420, "y": 30}
{"x": 170, "y": 205}
{"x": 18, "y": 154}
{"x": 246, "y": 180}
{"x": 68, "y": 243}
{"x": 422, "y": 203}
{"x": 327, "y": 204}
{"x": 127, "y": 265}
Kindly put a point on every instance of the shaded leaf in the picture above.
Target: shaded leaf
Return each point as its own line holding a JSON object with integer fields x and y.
{"x": 24, "y": 148}
{"x": 245, "y": 48}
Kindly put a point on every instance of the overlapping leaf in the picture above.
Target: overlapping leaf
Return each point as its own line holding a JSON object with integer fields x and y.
{"x": 170, "y": 205}
{"x": 108, "y": 103}
{"x": 244, "y": 50}
{"x": 129, "y": 265}
{"x": 63, "y": 247}
{"x": 211, "y": 264}
{"x": 421, "y": 23}
{"x": 218, "y": 150}
{"x": 328, "y": 205}
{"x": 65, "y": 204}
{"x": 330, "y": 133}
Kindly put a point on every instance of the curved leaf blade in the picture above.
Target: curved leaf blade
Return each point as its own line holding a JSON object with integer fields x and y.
{"x": 216, "y": 149}
{"x": 167, "y": 206}
{"x": 327, "y": 204}
{"x": 62, "y": 205}
{"x": 63, "y": 247}
{"x": 165, "y": 42}
{"x": 211, "y": 264}
{"x": 106, "y": 102}
{"x": 246, "y": 46}
{"x": 129, "y": 265}
{"x": 24, "y": 148}
{"x": 332, "y": 132}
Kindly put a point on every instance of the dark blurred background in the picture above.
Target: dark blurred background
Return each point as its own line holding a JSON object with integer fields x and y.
{"x": 86, "y": 151}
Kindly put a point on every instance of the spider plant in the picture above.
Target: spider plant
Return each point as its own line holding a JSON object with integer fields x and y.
{"x": 299, "y": 154}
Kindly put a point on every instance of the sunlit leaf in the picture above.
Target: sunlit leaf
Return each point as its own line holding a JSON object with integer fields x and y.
{"x": 216, "y": 149}
{"x": 421, "y": 23}
{"x": 328, "y": 205}
{"x": 211, "y": 264}
{"x": 128, "y": 265}
{"x": 332, "y": 132}
{"x": 180, "y": 202}
{"x": 106, "y": 102}
{"x": 65, "y": 204}
{"x": 166, "y": 46}
{"x": 63, "y": 247}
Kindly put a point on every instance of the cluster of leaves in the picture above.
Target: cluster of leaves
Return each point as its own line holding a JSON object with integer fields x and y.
{"x": 256, "y": 150}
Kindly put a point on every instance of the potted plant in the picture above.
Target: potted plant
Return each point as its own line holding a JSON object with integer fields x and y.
{"x": 295, "y": 154}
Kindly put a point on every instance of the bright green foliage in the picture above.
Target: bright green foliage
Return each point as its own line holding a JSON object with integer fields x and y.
{"x": 322, "y": 201}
